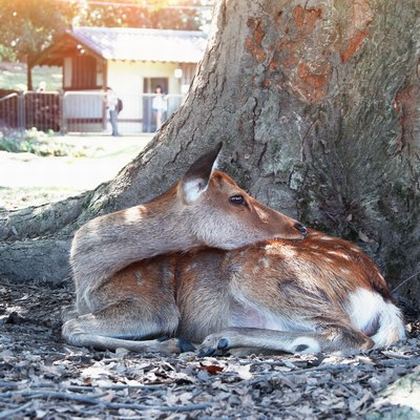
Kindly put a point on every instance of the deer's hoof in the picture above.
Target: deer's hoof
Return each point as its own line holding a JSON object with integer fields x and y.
{"x": 214, "y": 344}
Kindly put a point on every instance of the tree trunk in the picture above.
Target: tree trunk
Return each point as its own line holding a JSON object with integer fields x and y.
{"x": 316, "y": 104}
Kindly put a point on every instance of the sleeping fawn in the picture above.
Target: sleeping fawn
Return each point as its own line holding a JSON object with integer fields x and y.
{"x": 205, "y": 263}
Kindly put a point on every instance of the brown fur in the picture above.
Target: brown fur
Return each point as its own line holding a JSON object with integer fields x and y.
{"x": 111, "y": 302}
{"x": 185, "y": 217}
{"x": 306, "y": 280}
{"x": 195, "y": 296}
{"x": 283, "y": 294}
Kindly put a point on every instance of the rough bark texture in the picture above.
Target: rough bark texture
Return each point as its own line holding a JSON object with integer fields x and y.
{"x": 316, "y": 104}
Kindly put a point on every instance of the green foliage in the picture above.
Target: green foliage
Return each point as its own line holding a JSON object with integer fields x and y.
{"x": 157, "y": 16}
{"x": 7, "y": 53}
{"x": 38, "y": 143}
{"x": 28, "y": 26}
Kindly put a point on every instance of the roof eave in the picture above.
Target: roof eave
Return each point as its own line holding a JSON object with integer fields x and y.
{"x": 43, "y": 58}
{"x": 87, "y": 44}
{"x": 137, "y": 60}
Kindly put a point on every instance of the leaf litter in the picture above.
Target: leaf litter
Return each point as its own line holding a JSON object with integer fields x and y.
{"x": 43, "y": 377}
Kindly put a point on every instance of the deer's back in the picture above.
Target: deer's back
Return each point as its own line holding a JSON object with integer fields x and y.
{"x": 279, "y": 285}
{"x": 283, "y": 285}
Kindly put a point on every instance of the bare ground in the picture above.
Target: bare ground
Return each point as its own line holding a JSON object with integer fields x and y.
{"x": 30, "y": 180}
{"x": 42, "y": 377}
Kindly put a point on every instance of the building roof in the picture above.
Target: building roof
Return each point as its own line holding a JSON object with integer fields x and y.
{"x": 137, "y": 44}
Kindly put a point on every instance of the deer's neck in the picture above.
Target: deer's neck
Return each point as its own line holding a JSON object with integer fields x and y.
{"x": 157, "y": 228}
{"x": 162, "y": 233}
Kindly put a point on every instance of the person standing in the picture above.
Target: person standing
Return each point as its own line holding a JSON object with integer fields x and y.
{"x": 42, "y": 86}
{"x": 159, "y": 106}
{"x": 111, "y": 101}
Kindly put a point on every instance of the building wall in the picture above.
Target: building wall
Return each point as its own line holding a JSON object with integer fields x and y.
{"x": 127, "y": 80}
{"x": 127, "y": 77}
{"x": 82, "y": 72}
{"x": 67, "y": 72}
{"x": 85, "y": 108}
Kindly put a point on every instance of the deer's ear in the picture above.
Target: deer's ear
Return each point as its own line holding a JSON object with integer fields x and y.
{"x": 196, "y": 180}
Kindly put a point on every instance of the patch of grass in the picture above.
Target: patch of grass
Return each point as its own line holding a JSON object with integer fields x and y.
{"x": 27, "y": 179}
{"x": 15, "y": 198}
{"x": 38, "y": 143}
{"x": 13, "y": 76}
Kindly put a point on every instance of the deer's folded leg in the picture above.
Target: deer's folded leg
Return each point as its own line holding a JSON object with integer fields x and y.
{"x": 290, "y": 342}
{"x": 122, "y": 324}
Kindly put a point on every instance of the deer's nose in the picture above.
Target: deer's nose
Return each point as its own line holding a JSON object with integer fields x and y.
{"x": 302, "y": 229}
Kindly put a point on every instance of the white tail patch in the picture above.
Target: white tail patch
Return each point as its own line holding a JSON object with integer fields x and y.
{"x": 367, "y": 308}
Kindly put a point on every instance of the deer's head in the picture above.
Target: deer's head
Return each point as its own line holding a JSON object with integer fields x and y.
{"x": 223, "y": 215}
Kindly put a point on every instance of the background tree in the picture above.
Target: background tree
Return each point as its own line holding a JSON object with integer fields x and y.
{"x": 163, "y": 14}
{"x": 316, "y": 103}
{"x": 30, "y": 25}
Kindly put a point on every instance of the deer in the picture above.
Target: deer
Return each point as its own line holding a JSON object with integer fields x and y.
{"x": 205, "y": 267}
{"x": 203, "y": 209}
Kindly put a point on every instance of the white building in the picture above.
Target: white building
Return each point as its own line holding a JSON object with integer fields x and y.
{"x": 133, "y": 62}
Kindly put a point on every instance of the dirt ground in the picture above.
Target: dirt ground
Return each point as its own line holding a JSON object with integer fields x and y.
{"x": 27, "y": 179}
{"x": 42, "y": 377}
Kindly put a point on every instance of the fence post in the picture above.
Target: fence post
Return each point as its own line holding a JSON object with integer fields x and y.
{"x": 63, "y": 125}
{"x": 21, "y": 120}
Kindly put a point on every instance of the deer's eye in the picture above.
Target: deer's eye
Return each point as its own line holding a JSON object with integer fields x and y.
{"x": 238, "y": 200}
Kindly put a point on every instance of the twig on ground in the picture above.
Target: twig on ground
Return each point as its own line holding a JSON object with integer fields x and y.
{"x": 8, "y": 385}
{"x": 7, "y": 414}
{"x": 320, "y": 368}
{"x": 116, "y": 386}
{"x": 405, "y": 281}
{"x": 105, "y": 404}
{"x": 262, "y": 362}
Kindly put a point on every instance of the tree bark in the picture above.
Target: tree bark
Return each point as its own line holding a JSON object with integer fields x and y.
{"x": 316, "y": 104}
